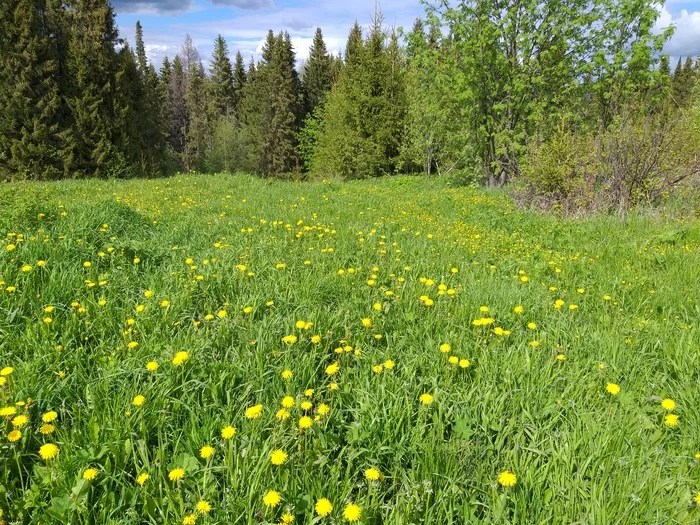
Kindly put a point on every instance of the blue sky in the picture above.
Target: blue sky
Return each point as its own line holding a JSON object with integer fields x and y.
{"x": 244, "y": 23}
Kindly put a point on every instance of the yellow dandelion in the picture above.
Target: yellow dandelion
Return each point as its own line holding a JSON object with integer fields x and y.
{"x": 176, "y": 474}
{"x": 305, "y": 422}
{"x": 203, "y": 507}
{"x": 613, "y": 389}
{"x": 372, "y": 474}
{"x": 180, "y": 358}
{"x": 14, "y": 435}
{"x": 228, "y": 432}
{"x": 278, "y": 457}
{"x": 253, "y": 412}
{"x": 323, "y": 507}
{"x": 90, "y": 474}
{"x": 426, "y": 399}
{"x": 142, "y": 478}
{"x": 668, "y": 404}
{"x": 206, "y": 452}
{"x": 507, "y": 478}
{"x": 671, "y": 420}
{"x": 48, "y": 451}
{"x": 272, "y": 498}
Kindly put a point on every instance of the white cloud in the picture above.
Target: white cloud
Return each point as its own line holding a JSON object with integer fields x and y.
{"x": 686, "y": 38}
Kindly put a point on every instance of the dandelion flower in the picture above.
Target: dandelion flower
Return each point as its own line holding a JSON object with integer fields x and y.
{"x": 426, "y": 399}
{"x": 139, "y": 401}
{"x": 323, "y": 409}
{"x": 253, "y": 412}
{"x": 7, "y": 411}
{"x": 671, "y": 420}
{"x": 272, "y": 498}
{"x": 287, "y": 374}
{"x": 306, "y": 405}
{"x": 190, "y": 519}
{"x": 332, "y": 369}
{"x": 48, "y": 451}
{"x": 176, "y": 474}
{"x": 20, "y": 421}
{"x": 352, "y": 512}
{"x": 464, "y": 363}
{"x": 142, "y": 478}
{"x": 206, "y": 452}
{"x": 47, "y": 429}
{"x": 180, "y": 358}
{"x": 507, "y": 478}
{"x": 203, "y": 507}
{"x": 613, "y": 389}
{"x": 6, "y": 371}
{"x": 305, "y": 422}
{"x": 287, "y": 518}
{"x": 278, "y": 457}
{"x": 289, "y": 339}
{"x": 282, "y": 414}
{"x": 367, "y": 322}
{"x": 668, "y": 405}
{"x": 323, "y": 507}
{"x": 228, "y": 432}
{"x": 152, "y": 366}
{"x": 14, "y": 435}
{"x": 90, "y": 474}
{"x": 696, "y": 499}
{"x": 372, "y": 474}
{"x": 389, "y": 364}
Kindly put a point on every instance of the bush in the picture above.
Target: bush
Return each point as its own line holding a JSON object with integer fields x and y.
{"x": 637, "y": 161}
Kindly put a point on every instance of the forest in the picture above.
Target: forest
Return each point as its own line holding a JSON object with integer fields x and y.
{"x": 559, "y": 97}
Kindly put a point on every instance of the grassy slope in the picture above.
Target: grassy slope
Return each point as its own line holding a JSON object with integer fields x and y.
{"x": 580, "y": 455}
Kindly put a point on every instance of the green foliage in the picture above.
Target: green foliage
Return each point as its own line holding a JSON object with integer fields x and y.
{"x": 222, "y": 96}
{"x": 363, "y": 118}
{"x": 318, "y": 74}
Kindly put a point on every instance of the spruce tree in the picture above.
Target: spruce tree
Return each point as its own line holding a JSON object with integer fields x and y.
{"x": 239, "y": 80}
{"x": 140, "y": 49}
{"x": 29, "y": 92}
{"x": 92, "y": 62}
{"x": 318, "y": 75}
{"x": 198, "y": 130}
{"x": 222, "y": 87}
{"x": 178, "y": 110}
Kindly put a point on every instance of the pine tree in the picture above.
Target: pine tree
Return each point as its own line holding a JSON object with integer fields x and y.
{"x": 353, "y": 48}
{"x": 239, "y": 80}
{"x": 222, "y": 92}
{"x": 198, "y": 130}
{"x": 318, "y": 75}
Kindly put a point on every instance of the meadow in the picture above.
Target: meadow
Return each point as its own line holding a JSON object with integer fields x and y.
{"x": 225, "y": 349}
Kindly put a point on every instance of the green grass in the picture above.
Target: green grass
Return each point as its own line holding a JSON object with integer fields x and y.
{"x": 580, "y": 454}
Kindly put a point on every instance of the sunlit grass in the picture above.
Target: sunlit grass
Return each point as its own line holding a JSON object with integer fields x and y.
{"x": 225, "y": 349}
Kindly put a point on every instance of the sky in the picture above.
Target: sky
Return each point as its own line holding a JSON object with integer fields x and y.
{"x": 244, "y": 23}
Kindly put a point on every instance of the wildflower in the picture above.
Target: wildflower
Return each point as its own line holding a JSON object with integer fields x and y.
{"x": 6, "y": 371}
{"x": 142, "y": 478}
{"x": 87, "y": 264}
{"x": 176, "y": 474}
{"x": 332, "y": 369}
{"x": 323, "y": 507}
{"x": 426, "y": 399}
{"x": 352, "y": 512}
{"x": 531, "y": 326}
{"x": 287, "y": 518}
{"x": 90, "y": 474}
{"x": 671, "y": 420}
{"x": 278, "y": 457}
{"x": 464, "y": 363}
{"x": 190, "y": 519}
{"x": 561, "y": 357}
{"x": 203, "y": 507}
{"x": 228, "y": 432}
{"x": 49, "y": 416}
{"x": 289, "y": 339}
{"x": 288, "y": 402}
{"x": 507, "y": 478}
{"x": 315, "y": 339}
{"x": 221, "y": 314}
{"x": 305, "y": 422}
{"x": 10, "y": 247}
{"x": 573, "y": 306}
{"x": 613, "y": 389}
{"x": 131, "y": 345}
{"x": 180, "y": 358}
{"x": 696, "y": 499}
{"x": 152, "y": 366}
{"x": 367, "y": 322}
{"x": 287, "y": 374}
{"x": 272, "y": 498}
{"x": 323, "y": 409}
{"x": 253, "y": 412}
{"x": 48, "y": 451}
{"x": 26, "y": 268}
{"x": 47, "y": 429}
{"x": 282, "y": 414}
{"x": 668, "y": 405}
{"x": 306, "y": 405}
{"x": 377, "y": 369}
{"x": 309, "y": 392}
{"x": 518, "y": 309}
{"x": 372, "y": 474}
{"x": 445, "y": 348}
{"x": 20, "y": 421}
{"x": 206, "y": 452}
{"x": 14, "y": 435}
{"x": 247, "y": 309}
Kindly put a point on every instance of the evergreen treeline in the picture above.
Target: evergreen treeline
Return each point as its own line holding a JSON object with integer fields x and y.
{"x": 466, "y": 89}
